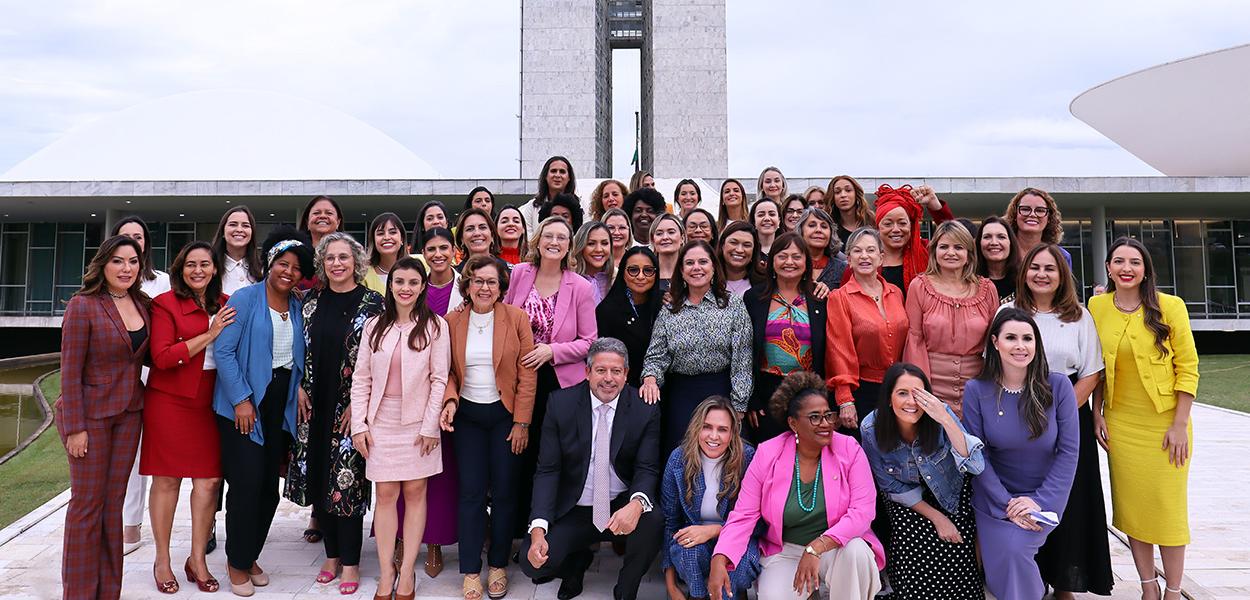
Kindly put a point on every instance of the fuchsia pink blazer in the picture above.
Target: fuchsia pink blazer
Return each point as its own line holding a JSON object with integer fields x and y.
{"x": 849, "y": 493}
{"x": 575, "y": 326}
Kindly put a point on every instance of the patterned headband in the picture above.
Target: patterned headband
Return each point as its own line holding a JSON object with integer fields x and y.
{"x": 280, "y": 248}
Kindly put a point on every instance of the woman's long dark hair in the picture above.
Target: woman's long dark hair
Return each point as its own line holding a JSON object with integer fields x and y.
{"x": 685, "y": 222}
{"x": 212, "y": 293}
{"x": 888, "y": 432}
{"x": 251, "y": 256}
{"x": 1065, "y": 303}
{"x": 1037, "y": 396}
{"x": 1153, "y": 315}
{"x": 490, "y": 225}
{"x": 1013, "y": 268}
{"x": 620, "y": 290}
{"x": 418, "y": 228}
{"x": 783, "y": 241}
{"x": 93, "y": 282}
{"x": 754, "y": 271}
{"x": 380, "y": 222}
{"x": 147, "y": 267}
{"x": 544, "y": 190}
{"x": 677, "y": 288}
{"x": 468, "y": 200}
{"x": 427, "y": 322}
{"x": 307, "y": 212}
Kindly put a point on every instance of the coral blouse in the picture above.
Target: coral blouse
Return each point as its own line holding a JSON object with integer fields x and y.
{"x": 946, "y": 336}
{"x": 862, "y": 342}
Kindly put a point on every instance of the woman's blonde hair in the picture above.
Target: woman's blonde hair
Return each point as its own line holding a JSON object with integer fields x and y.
{"x": 759, "y": 185}
{"x": 731, "y": 461}
{"x": 535, "y": 257}
{"x": 959, "y": 235}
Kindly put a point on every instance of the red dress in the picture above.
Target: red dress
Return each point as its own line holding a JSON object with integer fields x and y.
{"x": 180, "y": 436}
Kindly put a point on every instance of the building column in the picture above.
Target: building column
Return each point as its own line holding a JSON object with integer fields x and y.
{"x": 111, "y": 217}
{"x": 1098, "y": 231}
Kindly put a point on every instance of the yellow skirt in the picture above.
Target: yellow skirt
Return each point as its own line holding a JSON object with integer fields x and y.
{"x": 1149, "y": 495}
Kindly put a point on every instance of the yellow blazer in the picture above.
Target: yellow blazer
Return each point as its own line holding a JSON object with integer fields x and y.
{"x": 1164, "y": 375}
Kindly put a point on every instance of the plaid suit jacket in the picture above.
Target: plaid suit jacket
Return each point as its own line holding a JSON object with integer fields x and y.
{"x": 99, "y": 369}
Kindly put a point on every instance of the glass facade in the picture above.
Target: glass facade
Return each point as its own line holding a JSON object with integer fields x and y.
{"x": 41, "y": 264}
{"x": 1205, "y": 262}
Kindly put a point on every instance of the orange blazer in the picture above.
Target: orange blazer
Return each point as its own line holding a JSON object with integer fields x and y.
{"x": 513, "y": 339}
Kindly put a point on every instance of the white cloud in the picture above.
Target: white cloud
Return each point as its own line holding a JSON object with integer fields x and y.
{"x": 902, "y": 88}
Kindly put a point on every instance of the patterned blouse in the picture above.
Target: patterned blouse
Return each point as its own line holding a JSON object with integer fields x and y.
{"x": 787, "y": 338}
{"x": 701, "y": 339}
{"x": 542, "y": 313}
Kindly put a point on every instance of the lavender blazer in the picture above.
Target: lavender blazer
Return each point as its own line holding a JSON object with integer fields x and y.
{"x": 849, "y": 493}
{"x": 424, "y": 373}
{"x": 575, "y": 326}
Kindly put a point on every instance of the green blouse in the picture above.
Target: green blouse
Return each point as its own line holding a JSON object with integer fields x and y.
{"x": 799, "y": 526}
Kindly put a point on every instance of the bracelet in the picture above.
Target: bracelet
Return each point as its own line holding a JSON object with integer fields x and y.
{"x": 846, "y": 404}
{"x": 521, "y": 425}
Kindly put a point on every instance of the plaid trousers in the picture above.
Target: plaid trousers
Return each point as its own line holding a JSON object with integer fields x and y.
{"x": 91, "y": 565}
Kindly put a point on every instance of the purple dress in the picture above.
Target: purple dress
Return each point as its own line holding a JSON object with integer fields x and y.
{"x": 1040, "y": 468}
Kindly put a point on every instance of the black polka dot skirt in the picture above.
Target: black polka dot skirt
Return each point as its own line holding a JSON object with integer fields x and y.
{"x": 921, "y": 565}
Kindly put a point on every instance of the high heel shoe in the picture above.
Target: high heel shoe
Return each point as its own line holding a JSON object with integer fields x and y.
{"x": 391, "y": 595}
{"x": 412, "y": 596}
{"x": 208, "y": 584}
{"x": 1154, "y": 580}
{"x": 165, "y": 587}
{"x": 434, "y": 560}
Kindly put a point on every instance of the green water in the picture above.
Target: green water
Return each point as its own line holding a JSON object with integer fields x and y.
{"x": 19, "y": 409}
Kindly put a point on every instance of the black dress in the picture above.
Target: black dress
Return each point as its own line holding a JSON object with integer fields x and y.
{"x": 1076, "y": 556}
{"x": 895, "y": 275}
{"x": 631, "y": 323}
{"x": 1006, "y": 288}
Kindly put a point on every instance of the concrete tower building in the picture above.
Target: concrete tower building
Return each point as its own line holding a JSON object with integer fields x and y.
{"x": 566, "y": 84}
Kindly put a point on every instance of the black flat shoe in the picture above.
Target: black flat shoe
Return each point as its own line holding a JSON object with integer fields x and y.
{"x": 570, "y": 587}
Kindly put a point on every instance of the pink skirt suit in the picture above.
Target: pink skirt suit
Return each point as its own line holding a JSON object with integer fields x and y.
{"x": 397, "y": 395}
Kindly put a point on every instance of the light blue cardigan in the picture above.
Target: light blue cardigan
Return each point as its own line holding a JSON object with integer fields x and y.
{"x": 244, "y": 353}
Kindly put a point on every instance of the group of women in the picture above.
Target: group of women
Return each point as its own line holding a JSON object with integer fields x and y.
{"x": 844, "y": 404}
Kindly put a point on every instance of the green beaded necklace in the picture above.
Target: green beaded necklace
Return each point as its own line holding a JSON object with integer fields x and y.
{"x": 798, "y": 489}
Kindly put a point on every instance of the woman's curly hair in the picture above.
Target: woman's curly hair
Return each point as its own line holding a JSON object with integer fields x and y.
{"x": 789, "y": 395}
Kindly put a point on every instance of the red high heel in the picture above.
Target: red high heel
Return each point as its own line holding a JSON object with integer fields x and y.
{"x": 165, "y": 587}
{"x": 209, "y": 584}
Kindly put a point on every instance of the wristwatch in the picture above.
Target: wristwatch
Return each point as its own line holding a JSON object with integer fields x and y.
{"x": 810, "y": 550}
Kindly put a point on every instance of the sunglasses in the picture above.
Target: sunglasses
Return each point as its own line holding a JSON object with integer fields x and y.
{"x": 635, "y": 270}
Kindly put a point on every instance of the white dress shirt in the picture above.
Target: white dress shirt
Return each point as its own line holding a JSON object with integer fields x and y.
{"x": 615, "y": 485}
{"x": 236, "y": 276}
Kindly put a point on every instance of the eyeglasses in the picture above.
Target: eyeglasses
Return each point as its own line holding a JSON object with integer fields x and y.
{"x": 635, "y": 270}
{"x": 554, "y": 237}
{"x": 794, "y": 211}
{"x": 699, "y": 226}
{"x": 828, "y": 416}
{"x": 1036, "y": 211}
{"x": 485, "y": 283}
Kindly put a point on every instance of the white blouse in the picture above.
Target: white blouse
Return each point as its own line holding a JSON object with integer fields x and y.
{"x": 479, "y": 365}
{"x": 1071, "y": 348}
{"x": 283, "y": 340}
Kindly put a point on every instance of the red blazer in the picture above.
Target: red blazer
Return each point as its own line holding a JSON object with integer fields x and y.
{"x": 99, "y": 369}
{"x": 174, "y": 321}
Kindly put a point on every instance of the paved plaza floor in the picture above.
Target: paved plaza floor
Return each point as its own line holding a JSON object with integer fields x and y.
{"x": 1218, "y": 562}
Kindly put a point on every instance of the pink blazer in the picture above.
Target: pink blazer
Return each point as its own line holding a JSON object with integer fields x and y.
{"x": 849, "y": 493}
{"x": 575, "y": 326}
{"x": 424, "y": 373}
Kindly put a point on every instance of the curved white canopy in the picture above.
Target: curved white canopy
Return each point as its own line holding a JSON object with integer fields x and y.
{"x": 1185, "y": 118}
{"x": 223, "y": 135}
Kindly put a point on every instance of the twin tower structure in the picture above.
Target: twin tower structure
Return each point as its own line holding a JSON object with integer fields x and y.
{"x": 566, "y": 84}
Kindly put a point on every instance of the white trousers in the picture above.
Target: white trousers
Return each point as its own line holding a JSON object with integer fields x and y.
{"x": 847, "y": 573}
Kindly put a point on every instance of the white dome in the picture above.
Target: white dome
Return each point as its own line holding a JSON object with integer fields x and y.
{"x": 223, "y": 135}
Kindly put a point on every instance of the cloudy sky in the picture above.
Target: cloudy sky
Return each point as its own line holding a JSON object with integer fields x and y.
{"x": 904, "y": 88}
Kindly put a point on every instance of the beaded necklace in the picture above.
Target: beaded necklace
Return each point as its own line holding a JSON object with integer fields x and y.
{"x": 798, "y": 489}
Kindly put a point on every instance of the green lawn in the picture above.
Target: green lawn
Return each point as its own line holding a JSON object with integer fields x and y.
{"x": 1223, "y": 380}
{"x": 36, "y": 474}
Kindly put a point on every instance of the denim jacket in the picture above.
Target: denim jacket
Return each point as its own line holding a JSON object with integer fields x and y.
{"x": 898, "y": 471}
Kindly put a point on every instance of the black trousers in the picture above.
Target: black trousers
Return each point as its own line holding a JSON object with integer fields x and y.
{"x": 569, "y": 535}
{"x": 528, "y": 463}
{"x": 487, "y": 464}
{"x": 342, "y": 536}
{"x": 251, "y": 473}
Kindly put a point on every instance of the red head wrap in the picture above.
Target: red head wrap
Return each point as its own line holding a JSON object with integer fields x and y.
{"x": 916, "y": 252}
